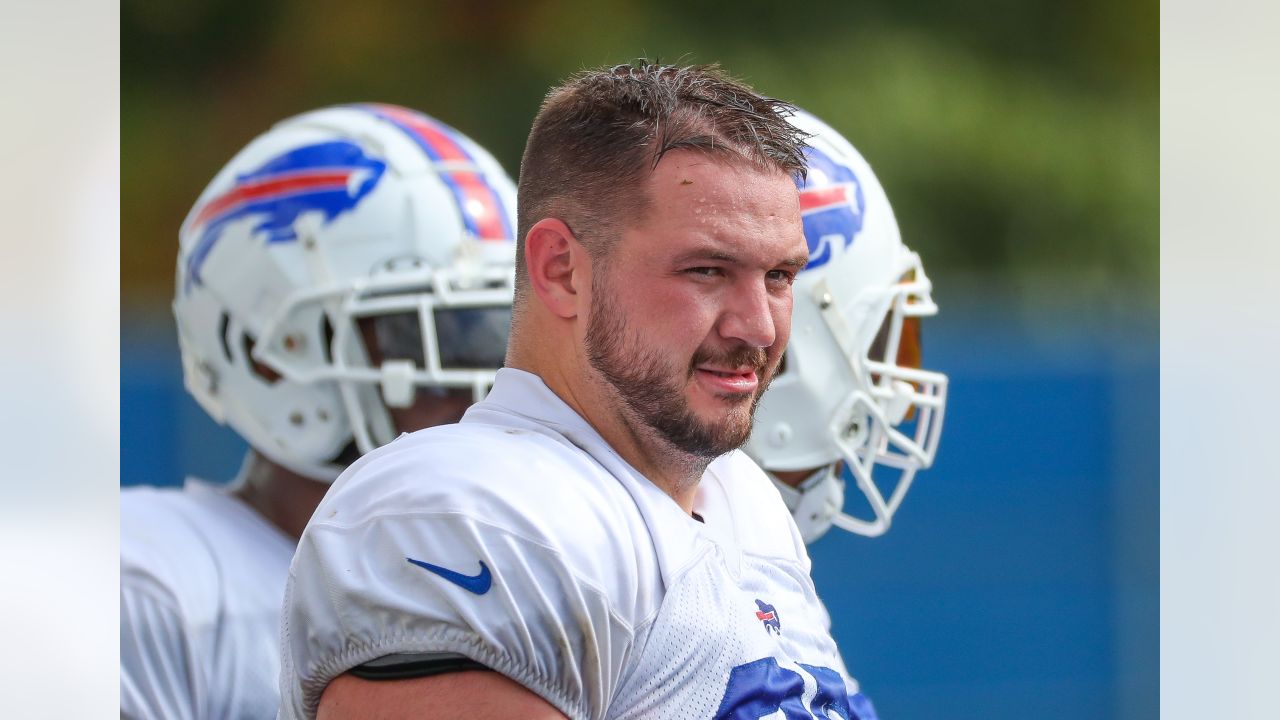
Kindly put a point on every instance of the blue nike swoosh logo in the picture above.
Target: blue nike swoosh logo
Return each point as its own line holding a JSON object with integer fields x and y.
{"x": 478, "y": 584}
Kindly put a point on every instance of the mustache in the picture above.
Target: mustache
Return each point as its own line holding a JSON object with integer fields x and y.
{"x": 742, "y": 356}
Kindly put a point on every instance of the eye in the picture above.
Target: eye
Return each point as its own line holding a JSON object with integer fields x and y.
{"x": 704, "y": 271}
{"x": 780, "y": 276}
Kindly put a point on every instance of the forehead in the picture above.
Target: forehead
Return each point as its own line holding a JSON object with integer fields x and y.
{"x": 731, "y": 205}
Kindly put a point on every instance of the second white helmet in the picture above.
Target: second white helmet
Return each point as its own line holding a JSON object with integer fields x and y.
{"x": 851, "y": 392}
{"x": 343, "y": 261}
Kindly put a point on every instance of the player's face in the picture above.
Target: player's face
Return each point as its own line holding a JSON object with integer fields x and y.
{"x": 691, "y": 309}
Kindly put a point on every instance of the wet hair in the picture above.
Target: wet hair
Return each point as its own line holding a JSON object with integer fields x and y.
{"x": 600, "y": 133}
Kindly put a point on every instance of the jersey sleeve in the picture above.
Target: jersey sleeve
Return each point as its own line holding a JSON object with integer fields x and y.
{"x": 477, "y": 573}
{"x": 156, "y": 679}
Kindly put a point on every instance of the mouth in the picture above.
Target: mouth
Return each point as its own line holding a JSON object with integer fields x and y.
{"x": 727, "y": 381}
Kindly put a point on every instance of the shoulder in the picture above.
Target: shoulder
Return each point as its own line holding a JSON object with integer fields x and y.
{"x": 163, "y": 551}
{"x": 525, "y": 483}
{"x": 464, "y": 451}
{"x": 184, "y": 546}
{"x": 161, "y": 554}
{"x": 532, "y": 506}
{"x": 513, "y": 549}
{"x": 168, "y": 588}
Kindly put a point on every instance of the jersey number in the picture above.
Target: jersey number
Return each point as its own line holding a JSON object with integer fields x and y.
{"x": 762, "y": 687}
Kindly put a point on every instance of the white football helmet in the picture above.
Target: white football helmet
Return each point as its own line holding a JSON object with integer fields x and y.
{"x": 337, "y": 239}
{"x": 850, "y": 397}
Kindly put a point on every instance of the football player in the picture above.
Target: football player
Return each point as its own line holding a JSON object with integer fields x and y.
{"x": 588, "y": 542}
{"x": 346, "y": 277}
{"x": 851, "y": 401}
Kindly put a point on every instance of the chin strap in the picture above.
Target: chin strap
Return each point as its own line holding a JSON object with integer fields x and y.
{"x": 815, "y": 502}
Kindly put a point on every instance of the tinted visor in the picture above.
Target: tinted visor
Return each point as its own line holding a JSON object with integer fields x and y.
{"x": 467, "y": 338}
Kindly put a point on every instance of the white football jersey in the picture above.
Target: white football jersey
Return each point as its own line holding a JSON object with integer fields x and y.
{"x": 201, "y": 581}
{"x": 520, "y": 539}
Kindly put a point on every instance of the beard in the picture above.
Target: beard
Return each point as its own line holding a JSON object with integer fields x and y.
{"x": 652, "y": 387}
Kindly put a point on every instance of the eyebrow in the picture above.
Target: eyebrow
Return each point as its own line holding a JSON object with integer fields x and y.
{"x": 707, "y": 254}
{"x": 796, "y": 261}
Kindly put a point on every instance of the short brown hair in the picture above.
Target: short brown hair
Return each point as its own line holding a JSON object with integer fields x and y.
{"x": 600, "y": 133}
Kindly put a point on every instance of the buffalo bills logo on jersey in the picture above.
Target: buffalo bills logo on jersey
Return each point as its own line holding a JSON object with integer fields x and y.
{"x": 484, "y": 214}
{"x": 831, "y": 206}
{"x": 330, "y": 178}
{"x": 769, "y": 616}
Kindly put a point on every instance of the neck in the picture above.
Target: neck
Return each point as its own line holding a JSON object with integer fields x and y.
{"x": 575, "y": 382}
{"x": 285, "y": 498}
{"x": 676, "y": 472}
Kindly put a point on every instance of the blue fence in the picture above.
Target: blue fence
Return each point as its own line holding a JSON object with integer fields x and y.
{"x": 1020, "y": 579}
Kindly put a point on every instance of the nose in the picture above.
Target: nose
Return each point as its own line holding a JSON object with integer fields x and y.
{"x": 749, "y": 314}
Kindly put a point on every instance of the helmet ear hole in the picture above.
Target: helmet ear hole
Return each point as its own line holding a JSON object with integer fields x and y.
{"x": 260, "y": 370}
{"x": 326, "y": 333}
{"x": 223, "y": 327}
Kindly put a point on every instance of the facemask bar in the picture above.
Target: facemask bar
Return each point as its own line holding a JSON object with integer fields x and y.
{"x": 868, "y": 426}
{"x": 420, "y": 291}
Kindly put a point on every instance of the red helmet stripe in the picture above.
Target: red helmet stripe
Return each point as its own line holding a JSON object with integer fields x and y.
{"x": 282, "y": 185}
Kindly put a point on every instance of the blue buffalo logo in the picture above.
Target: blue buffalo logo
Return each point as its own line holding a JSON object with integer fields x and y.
{"x": 769, "y": 616}
{"x": 831, "y": 206}
{"x": 331, "y": 178}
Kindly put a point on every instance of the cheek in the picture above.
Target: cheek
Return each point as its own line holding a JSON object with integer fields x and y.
{"x": 669, "y": 316}
{"x": 664, "y": 313}
{"x": 781, "y": 310}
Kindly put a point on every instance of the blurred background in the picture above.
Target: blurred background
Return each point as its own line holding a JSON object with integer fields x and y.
{"x": 1019, "y": 145}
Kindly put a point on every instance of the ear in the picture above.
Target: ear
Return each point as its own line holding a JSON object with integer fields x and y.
{"x": 557, "y": 266}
